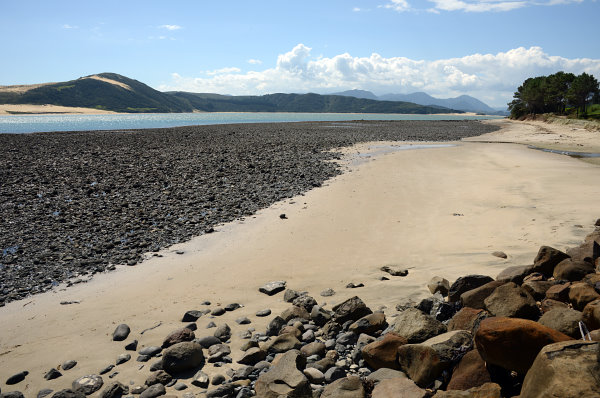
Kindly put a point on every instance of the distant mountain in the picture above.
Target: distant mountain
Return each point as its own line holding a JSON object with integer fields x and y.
{"x": 110, "y": 91}
{"x": 464, "y": 103}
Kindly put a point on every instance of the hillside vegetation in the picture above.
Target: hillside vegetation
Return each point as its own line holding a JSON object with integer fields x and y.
{"x": 113, "y": 92}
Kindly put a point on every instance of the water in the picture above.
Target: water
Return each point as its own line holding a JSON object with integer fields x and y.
{"x": 38, "y": 123}
{"x": 568, "y": 153}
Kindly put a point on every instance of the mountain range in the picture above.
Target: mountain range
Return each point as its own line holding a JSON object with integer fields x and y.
{"x": 114, "y": 92}
{"x": 464, "y": 103}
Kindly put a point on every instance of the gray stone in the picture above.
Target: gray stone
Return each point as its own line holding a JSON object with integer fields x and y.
{"x": 114, "y": 390}
{"x": 512, "y": 301}
{"x": 515, "y": 274}
{"x": 208, "y": 341}
{"x": 68, "y": 365}
{"x": 121, "y": 332}
{"x": 178, "y": 336}
{"x": 263, "y": 313}
{"x": 272, "y": 288}
{"x": 182, "y": 356}
{"x": 334, "y": 373}
{"x": 252, "y": 356}
{"x": 158, "y": 377}
{"x": 283, "y": 343}
{"x": 328, "y": 292}
{"x": 150, "y": 351}
{"x": 398, "y": 387}
{"x": 52, "y": 374}
{"x": 88, "y": 384}
{"x": 474, "y": 298}
{"x": 438, "y": 284}
{"x": 289, "y": 295}
{"x": 200, "y": 379}
{"x": 17, "y": 378}
{"x": 383, "y": 374}
{"x": 284, "y": 378}
{"x": 154, "y": 391}
{"x": 346, "y": 387}
{"x": 572, "y": 270}
{"x": 466, "y": 283}
{"x": 547, "y": 259}
{"x": 123, "y": 358}
{"x": 223, "y": 332}
{"x": 67, "y": 393}
{"x": 44, "y": 392}
{"x": 314, "y": 375}
{"x": 350, "y": 310}
{"x": 565, "y": 320}
{"x": 415, "y": 326}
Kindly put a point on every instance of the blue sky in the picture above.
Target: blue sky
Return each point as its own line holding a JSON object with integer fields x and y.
{"x": 484, "y": 48}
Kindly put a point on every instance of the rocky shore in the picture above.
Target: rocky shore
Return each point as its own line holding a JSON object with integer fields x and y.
{"x": 74, "y": 204}
{"x": 519, "y": 334}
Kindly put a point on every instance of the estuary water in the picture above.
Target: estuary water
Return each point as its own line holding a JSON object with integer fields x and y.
{"x": 19, "y": 124}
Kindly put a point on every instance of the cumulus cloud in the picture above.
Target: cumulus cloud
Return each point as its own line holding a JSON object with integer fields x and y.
{"x": 254, "y": 61}
{"x": 476, "y": 5}
{"x": 170, "y": 27}
{"x": 490, "y": 77}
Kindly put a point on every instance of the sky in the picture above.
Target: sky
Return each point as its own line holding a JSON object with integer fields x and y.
{"x": 446, "y": 48}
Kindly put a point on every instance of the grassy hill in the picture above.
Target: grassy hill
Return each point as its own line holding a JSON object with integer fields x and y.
{"x": 113, "y": 92}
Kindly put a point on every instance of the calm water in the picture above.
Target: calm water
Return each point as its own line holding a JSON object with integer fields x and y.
{"x": 38, "y": 123}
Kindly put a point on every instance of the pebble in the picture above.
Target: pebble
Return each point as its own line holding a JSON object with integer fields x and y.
{"x": 17, "y": 378}
{"x": 68, "y": 365}
{"x": 263, "y": 313}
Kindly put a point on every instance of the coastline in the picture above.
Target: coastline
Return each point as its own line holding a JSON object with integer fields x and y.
{"x": 436, "y": 211}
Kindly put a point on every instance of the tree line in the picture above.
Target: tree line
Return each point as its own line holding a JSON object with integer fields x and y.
{"x": 561, "y": 93}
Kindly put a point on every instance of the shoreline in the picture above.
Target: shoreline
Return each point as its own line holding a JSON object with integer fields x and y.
{"x": 442, "y": 211}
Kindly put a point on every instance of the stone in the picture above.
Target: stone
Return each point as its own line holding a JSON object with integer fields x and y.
{"x": 398, "y": 387}
{"x": 200, "y": 379}
{"x": 565, "y": 320}
{"x": 415, "y": 326}
{"x": 591, "y": 315}
{"x": 515, "y": 274}
{"x": 252, "y": 356}
{"x": 283, "y": 343}
{"x": 150, "y": 351}
{"x": 67, "y": 393}
{"x": 14, "y": 394}
{"x": 547, "y": 259}
{"x": 223, "y": 391}
{"x": 350, "y": 310}
{"x": 192, "y": 316}
{"x": 580, "y": 294}
{"x": 52, "y": 374}
{"x": 510, "y": 300}
{"x": 334, "y": 373}
{"x": 180, "y": 386}
{"x": 291, "y": 330}
{"x": 369, "y": 324}
{"x": 263, "y": 313}
{"x": 114, "y": 390}
{"x": 564, "y": 369}
{"x": 327, "y": 292}
{"x": 182, "y": 356}
{"x": 537, "y": 289}
{"x": 232, "y": 307}
{"x": 160, "y": 376}
{"x": 589, "y": 250}
{"x": 208, "y": 341}
{"x": 470, "y": 372}
{"x": 572, "y": 270}
{"x": 499, "y": 254}
{"x": 513, "y": 343}
{"x": 223, "y": 332}
{"x": 425, "y": 362}
{"x": 132, "y": 345}
{"x": 466, "y": 283}
{"x": 284, "y": 378}
{"x": 16, "y": 378}
{"x": 218, "y": 311}
{"x": 290, "y": 294}
{"x": 275, "y": 326}
{"x": 393, "y": 271}
{"x": 154, "y": 391}
{"x": 106, "y": 369}
{"x": 384, "y": 373}
{"x": 122, "y": 359}
{"x": 44, "y": 392}
{"x": 294, "y": 312}
{"x": 467, "y": 319}
{"x": 319, "y": 315}
{"x": 121, "y": 332}
{"x": 438, "y": 284}
{"x": 272, "y": 288}
{"x": 474, "y": 298}
{"x": 548, "y": 304}
{"x": 487, "y": 390}
{"x": 243, "y": 320}
{"x": 353, "y": 285}
{"x": 217, "y": 352}
{"x": 314, "y": 348}
{"x": 218, "y": 379}
{"x": 384, "y": 353}
{"x": 178, "y": 336}
{"x": 347, "y": 387}
{"x": 88, "y": 384}
{"x": 70, "y": 364}
{"x": 314, "y": 375}
{"x": 559, "y": 292}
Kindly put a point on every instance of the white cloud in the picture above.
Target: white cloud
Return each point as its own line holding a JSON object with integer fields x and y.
{"x": 356, "y": 9}
{"x": 67, "y": 26}
{"x": 490, "y": 77}
{"x": 476, "y": 5}
{"x": 254, "y": 61}
{"x": 170, "y": 27}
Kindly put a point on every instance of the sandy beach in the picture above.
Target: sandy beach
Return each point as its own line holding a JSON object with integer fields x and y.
{"x": 8, "y": 109}
{"x": 434, "y": 211}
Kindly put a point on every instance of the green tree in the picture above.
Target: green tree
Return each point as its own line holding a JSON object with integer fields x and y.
{"x": 583, "y": 88}
{"x": 557, "y": 87}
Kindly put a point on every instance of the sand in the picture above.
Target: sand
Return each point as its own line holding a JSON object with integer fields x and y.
{"x": 7, "y": 109}
{"x": 435, "y": 211}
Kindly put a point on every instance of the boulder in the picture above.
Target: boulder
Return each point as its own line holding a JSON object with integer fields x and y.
{"x": 160, "y": 376}
{"x": 549, "y": 304}
{"x": 181, "y": 357}
{"x": 415, "y": 326}
{"x": 425, "y": 362}
{"x": 572, "y": 270}
{"x": 66, "y": 393}
{"x": 398, "y": 387}
{"x": 153, "y": 391}
{"x": 591, "y": 315}
{"x": 589, "y": 250}
{"x": 223, "y": 332}
{"x": 283, "y": 343}
{"x": 438, "y": 284}
{"x": 314, "y": 375}
{"x": 559, "y": 292}
{"x": 515, "y": 274}
{"x": 565, "y": 320}
{"x": 466, "y": 283}
{"x": 347, "y": 387}
{"x": 252, "y": 356}
{"x": 510, "y": 300}
{"x": 284, "y": 378}
{"x": 121, "y": 332}
{"x": 488, "y": 390}
{"x": 384, "y": 373}
{"x": 350, "y": 310}
{"x": 369, "y": 324}
{"x": 513, "y": 343}
{"x": 467, "y": 319}
{"x": 537, "y": 289}
{"x": 314, "y": 348}
{"x": 114, "y": 390}
{"x": 470, "y": 372}
{"x": 547, "y": 259}
{"x": 178, "y": 336}
{"x": 294, "y": 312}
{"x": 474, "y": 298}
{"x": 305, "y": 301}
{"x": 88, "y": 384}
{"x": 319, "y": 315}
{"x": 383, "y": 353}
{"x": 565, "y": 369}
{"x": 580, "y": 294}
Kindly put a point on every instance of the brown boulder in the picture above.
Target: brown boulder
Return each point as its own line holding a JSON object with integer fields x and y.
{"x": 581, "y": 294}
{"x": 398, "y": 387}
{"x": 514, "y": 343}
{"x": 565, "y": 320}
{"x": 466, "y": 283}
{"x": 591, "y": 315}
{"x": 182, "y": 357}
{"x": 515, "y": 274}
{"x": 438, "y": 284}
{"x": 295, "y": 312}
{"x": 470, "y": 372}
{"x": 284, "y": 378}
{"x": 347, "y": 387}
{"x": 384, "y": 353}
{"x": 415, "y": 326}
{"x": 474, "y": 298}
{"x": 488, "y": 390}
{"x": 314, "y": 348}
{"x": 467, "y": 319}
{"x": 547, "y": 259}
{"x": 559, "y": 292}
{"x": 369, "y": 324}
{"x": 511, "y": 300}
{"x": 178, "y": 336}
{"x": 283, "y": 343}
{"x": 350, "y": 310}
{"x": 549, "y": 304}
{"x": 589, "y": 250}
{"x": 572, "y": 270}
{"x": 567, "y": 370}
{"x": 537, "y": 289}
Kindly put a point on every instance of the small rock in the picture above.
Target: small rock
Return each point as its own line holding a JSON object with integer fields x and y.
{"x": 182, "y": 356}
{"x": 123, "y": 358}
{"x": 232, "y": 307}
{"x": 44, "y": 392}
{"x": 16, "y": 378}
{"x": 499, "y": 254}
{"x": 178, "y": 336}
{"x": 398, "y": 387}
{"x": 384, "y": 353}
{"x": 88, "y": 384}
{"x": 154, "y": 391}
{"x": 150, "y": 351}
{"x": 327, "y": 293}
{"x": 114, "y": 390}
{"x": 244, "y": 320}
{"x": 52, "y": 374}
{"x": 200, "y": 379}
{"x": 272, "y": 288}
{"x": 466, "y": 283}
{"x": 192, "y": 316}
{"x": 121, "y": 332}
{"x": 263, "y": 313}
{"x": 132, "y": 346}
{"x": 157, "y": 377}
{"x": 438, "y": 284}
{"x": 218, "y": 311}
{"x": 394, "y": 272}
{"x": 68, "y": 365}
{"x": 345, "y": 387}
{"x": 223, "y": 332}
{"x": 352, "y": 309}
{"x": 106, "y": 369}
{"x": 67, "y": 393}
{"x": 354, "y": 285}
{"x": 252, "y": 356}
